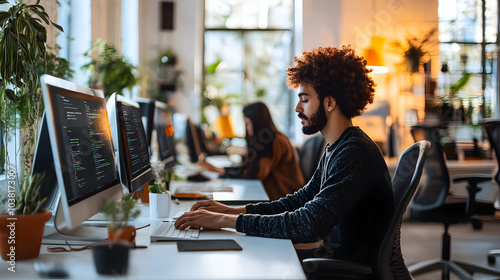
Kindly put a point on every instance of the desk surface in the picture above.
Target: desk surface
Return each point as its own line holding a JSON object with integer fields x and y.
{"x": 261, "y": 258}
{"x": 243, "y": 191}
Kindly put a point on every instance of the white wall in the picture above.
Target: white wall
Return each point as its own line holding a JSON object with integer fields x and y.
{"x": 186, "y": 39}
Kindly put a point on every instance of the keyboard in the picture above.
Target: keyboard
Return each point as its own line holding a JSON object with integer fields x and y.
{"x": 166, "y": 231}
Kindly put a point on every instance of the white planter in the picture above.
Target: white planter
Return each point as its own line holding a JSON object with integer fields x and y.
{"x": 159, "y": 205}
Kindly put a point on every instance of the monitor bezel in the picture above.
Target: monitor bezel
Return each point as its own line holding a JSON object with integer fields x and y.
{"x": 80, "y": 211}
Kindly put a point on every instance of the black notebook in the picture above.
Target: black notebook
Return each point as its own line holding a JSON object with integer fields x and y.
{"x": 208, "y": 245}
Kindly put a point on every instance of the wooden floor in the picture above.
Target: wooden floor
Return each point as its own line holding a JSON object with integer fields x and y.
{"x": 422, "y": 241}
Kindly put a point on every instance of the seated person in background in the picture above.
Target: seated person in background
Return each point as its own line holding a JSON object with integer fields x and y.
{"x": 271, "y": 157}
{"x": 348, "y": 203}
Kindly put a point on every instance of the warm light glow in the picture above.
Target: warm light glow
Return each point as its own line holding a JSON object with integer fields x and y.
{"x": 224, "y": 127}
{"x": 378, "y": 69}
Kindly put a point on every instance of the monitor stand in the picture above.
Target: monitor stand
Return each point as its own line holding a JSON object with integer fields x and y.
{"x": 56, "y": 231}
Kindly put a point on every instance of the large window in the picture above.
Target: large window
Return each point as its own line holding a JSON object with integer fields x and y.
{"x": 468, "y": 33}
{"x": 247, "y": 48}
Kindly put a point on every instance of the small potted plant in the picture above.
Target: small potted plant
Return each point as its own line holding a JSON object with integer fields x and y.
{"x": 159, "y": 200}
{"x": 22, "y": 220}
{"x": 111, "y": 258}
{"x": 119, "y": 213}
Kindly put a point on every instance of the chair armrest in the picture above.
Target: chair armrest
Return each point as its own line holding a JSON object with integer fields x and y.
{"x": 325, "y": 267}
{"x": 472, "y": 189}
{"x": 473, "y": 178}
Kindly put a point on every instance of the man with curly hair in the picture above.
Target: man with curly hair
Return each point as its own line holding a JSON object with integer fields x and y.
{"x": 348, "y": 202}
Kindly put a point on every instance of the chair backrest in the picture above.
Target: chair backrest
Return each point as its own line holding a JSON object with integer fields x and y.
{"x": 492, "y": 127}
{"x": 435, "y": 183}
{"x": 404, "y": 183}
{"x": 309, "y": 155}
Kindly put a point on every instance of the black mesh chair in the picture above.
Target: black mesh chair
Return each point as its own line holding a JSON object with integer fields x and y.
{"x": 492, "y": 128}
{"x": 309, "y": 155}
{"x": 434, "y": 203}
{"x": 389, "y": 262}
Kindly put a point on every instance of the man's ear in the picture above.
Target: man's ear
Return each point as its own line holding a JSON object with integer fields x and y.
{"x": 330, "y": 103}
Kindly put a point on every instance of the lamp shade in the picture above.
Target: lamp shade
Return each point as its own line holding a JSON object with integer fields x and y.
{"x": 373, "y": 57}
{"x": 224, "y": 127}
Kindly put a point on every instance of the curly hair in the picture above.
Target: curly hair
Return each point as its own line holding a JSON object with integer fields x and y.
{"x": 338, "y": 73}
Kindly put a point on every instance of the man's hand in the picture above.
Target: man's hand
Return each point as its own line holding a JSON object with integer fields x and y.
{"x": 206, "y": 219}
{"x": 214, "y": 206}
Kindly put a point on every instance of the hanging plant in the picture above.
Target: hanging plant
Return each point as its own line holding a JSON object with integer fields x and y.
{"x": 22, "y": 61}
{"x": 109, "y": 69}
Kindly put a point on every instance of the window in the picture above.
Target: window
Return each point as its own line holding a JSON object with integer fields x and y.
{"x": 247, "y": 48}
{"x": 468, "y": 33}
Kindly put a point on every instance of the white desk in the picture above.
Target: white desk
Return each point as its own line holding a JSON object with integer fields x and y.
{"x": 243, "y": 191}
{"x": 464, "y": 167}
{"x": 261, "y": 258}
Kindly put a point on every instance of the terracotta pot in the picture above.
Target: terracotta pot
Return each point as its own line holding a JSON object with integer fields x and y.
{"x": 125, "y": 234}
{"x": 21, "y": 235}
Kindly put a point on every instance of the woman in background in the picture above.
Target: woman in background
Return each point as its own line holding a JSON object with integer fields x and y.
{"x": 271, "y": 157}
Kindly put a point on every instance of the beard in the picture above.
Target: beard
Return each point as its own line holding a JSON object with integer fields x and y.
{"x": 316, "y": 122}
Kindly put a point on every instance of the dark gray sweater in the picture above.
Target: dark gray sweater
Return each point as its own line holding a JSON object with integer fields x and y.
{"x": 347, "y": 203}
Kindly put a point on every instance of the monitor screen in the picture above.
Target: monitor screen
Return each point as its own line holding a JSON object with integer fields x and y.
{"x": 147, "y": 113}
{"x": 130, "y": 141}
{"x": 193, "y": 141}
{"x": 157, "y": 120}
{"x": 82, "y": 149}
{"x": 165, "y": 134}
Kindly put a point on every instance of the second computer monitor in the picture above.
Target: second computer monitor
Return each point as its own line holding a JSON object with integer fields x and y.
{"x": 130, "y": 142}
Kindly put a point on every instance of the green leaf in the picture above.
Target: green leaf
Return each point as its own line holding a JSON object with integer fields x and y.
{"x": 4, "y": 16}
{"x": 57, "y": 26}
{"x": 11, "y": 94}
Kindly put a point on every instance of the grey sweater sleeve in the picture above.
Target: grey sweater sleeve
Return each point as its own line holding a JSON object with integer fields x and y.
{"x": 346, "y": 183}
{"x": 292, "y": 201}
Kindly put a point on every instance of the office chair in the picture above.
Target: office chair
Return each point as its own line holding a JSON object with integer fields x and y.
{"x": 492, "y": 128}
{"x": 433, "y": 203}
{"x": 309, "y": 155}
{"x": 389, "y": 263}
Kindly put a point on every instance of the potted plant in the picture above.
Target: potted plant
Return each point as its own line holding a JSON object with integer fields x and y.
{"x": 159, "y": 200}
{"x": 21, "y": 220}
{"x": 109, "y": 69}
{"x": 119, "y": 213}
{"x": 111, "y": 257}
{"x": 414, "y": 50}
{"x": 23, "y": 59}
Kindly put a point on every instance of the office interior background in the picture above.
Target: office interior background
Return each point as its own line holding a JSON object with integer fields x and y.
{"x": 231, "y": 52}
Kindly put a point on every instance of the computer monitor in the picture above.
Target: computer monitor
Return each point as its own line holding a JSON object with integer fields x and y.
{"x": 157, "y": 118}
{"x": 130, "y": 142}
{"x": 193, "y": 141}
{"x": 164, "y": 128}
{"x": 147, "y": 112}
{"x": 83, "y": 159}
